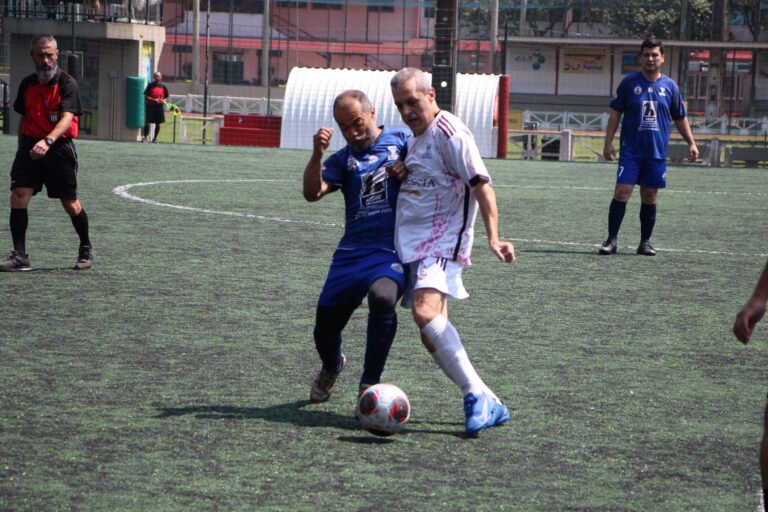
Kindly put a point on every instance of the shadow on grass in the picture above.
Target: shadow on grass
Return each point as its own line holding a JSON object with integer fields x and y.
{"x": 588, "y": 252}
{"x": 556, "y": 251}
{"x": 294, "y": 413}
{"x": 47, "y": 270}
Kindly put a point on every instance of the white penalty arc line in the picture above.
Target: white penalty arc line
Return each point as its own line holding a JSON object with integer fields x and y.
{"x": 123, "y": 191}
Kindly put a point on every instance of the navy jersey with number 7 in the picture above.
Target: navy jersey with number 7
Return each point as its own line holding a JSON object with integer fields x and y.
{"x": 648, "y": 110}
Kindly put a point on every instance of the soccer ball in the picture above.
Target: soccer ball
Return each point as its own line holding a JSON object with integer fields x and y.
{"x": 383, "y": 409}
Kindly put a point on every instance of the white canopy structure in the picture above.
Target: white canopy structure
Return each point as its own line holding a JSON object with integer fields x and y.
{"x": 310, "y": 92}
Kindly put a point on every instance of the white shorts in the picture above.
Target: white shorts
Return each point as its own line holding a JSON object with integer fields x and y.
{"x": 439, "y": 274}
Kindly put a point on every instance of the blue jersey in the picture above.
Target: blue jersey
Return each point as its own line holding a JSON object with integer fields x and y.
{"x": 648, "y": 109}
{"x": 370, "y": 193}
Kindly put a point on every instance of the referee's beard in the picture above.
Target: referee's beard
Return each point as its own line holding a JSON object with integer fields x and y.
{"x": 46, "y": 73}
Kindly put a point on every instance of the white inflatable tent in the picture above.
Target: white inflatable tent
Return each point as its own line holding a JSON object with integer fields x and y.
{"x": 310, "y": 93}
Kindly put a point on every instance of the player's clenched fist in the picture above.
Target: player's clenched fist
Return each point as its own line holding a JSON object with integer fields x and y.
{"x": 322, "y": 139}
{"x": 398, "y": 170}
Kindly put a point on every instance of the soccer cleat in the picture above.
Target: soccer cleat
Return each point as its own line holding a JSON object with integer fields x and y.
{"x": 608, "y": 247}
{"x": 646, "y": 249}
{"x": 323, "y": 383}
{"x": 483, "y": 412}
{"x": 16, "y": 263}
{"x": 362, "y": 389}
{"x": 84, "y": 258}
{"x": 360, "y": 392}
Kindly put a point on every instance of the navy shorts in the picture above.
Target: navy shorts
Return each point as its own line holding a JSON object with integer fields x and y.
{"x": 57, "y": 170}
{"x": 646, "y": 172}
{"x": 353, "y": 272}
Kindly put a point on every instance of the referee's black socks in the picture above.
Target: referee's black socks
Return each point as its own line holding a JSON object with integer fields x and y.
{"x": 80, "y": 221}
{"x": 18, "y": 222}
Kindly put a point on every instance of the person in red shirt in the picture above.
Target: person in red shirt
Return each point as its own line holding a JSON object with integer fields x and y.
{"x": 49, "y": 103}
{"x": 154, "y": 100}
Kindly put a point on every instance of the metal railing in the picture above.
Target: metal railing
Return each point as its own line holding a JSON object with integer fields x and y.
{"x": 115, "y": 11}
{"x": 194, "y": 103}
{"x": 570, "y": 146}
{"x": 723, "y": 125}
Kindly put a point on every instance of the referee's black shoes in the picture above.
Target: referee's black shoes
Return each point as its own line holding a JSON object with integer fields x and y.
{"x": 84, "y": 258}
{"x": 16, "y": 263}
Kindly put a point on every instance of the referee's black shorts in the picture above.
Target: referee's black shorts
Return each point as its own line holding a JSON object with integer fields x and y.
{"x": 57, "y": 170}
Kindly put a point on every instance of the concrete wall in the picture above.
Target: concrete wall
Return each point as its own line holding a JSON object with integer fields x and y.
{"x": 119, "y": 50}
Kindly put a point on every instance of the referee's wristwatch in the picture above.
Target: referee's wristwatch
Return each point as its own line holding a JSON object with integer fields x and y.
{"x": 49, "y": 141}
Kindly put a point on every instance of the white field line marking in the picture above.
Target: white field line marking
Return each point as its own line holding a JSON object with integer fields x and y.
{"x": 760, "y": 504}
{"x": 632, "y": 248}
{"x": 122, "y": 191}
{"x": 665, "y": 191}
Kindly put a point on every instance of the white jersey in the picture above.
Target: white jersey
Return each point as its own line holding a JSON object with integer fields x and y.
{"x": 436, "y": 208}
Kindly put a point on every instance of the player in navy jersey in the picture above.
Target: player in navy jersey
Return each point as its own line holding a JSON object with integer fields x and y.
{"x": 49, "y": 104}
{"x": 365, "y": 262}
{"x": 648, "y": 102}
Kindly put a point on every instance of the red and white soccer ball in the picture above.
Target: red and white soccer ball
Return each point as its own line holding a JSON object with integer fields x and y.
{"x": 383, "y": 409}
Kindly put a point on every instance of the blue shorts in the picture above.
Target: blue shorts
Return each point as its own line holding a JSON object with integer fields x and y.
{"x": 646, "y": 172}
{"x": 353, "y": 272}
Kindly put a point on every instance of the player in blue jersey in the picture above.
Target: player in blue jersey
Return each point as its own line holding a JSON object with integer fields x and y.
{"x": 365, "y": 262}
{"x": 648, "y": 101}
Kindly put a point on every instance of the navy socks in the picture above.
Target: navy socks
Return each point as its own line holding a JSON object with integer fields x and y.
{"x": 381, "y": 334}
{"x": 647, "y": 220}
{"x": 615, "y": 216}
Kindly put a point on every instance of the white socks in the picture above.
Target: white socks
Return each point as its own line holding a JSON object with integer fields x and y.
{"x": 451, "y": 357}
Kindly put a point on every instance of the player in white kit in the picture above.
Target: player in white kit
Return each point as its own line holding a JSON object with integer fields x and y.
{"x": 446, "y": 184}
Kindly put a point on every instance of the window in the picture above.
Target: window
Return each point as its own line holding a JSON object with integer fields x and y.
{"x": 228, "y": 68}
{"x": 291, "y": 4}
{"x": 327, "y": 5}
{"x": 381, "y": 5}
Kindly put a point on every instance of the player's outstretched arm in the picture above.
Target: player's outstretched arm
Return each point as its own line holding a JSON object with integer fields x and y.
{"x": 486, "y": 199}
{"x": 753, "y": 311}
{"x": 314, "y": 186}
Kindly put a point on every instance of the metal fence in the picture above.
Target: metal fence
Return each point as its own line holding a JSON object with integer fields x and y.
{"x": 195, "y": 103}
{"x": 724, "y": 125}
{"x": 116, "y": 11}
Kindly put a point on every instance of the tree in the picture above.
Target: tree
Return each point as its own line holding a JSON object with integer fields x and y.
{"x": 659, "y": 19}
{"x": 755, "y": 16}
